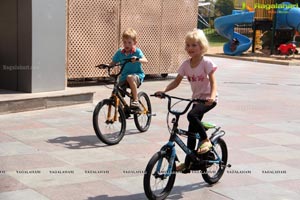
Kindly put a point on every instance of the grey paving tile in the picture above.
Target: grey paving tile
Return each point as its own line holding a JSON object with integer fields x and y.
{"x": 53, "y": 176}
{"x": 258, "y": 192}
{"x": 283, "y": 126}
{"x": 275, "y": 153}
{"x": 22, "y": 194}
{"x": 83, "y": 156}
{"x": 268, "y": 171}
{"x": 16, "y": 148}
{"x": 278, "y": 138}
{"x": 35, "y": 134}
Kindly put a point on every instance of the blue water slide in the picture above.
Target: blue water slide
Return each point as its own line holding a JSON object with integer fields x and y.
{"x": 288, "y": 18}
{"x": 225, "y": 27}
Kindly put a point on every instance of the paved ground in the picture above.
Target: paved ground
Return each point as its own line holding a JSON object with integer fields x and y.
{"x": 50, "y": 154}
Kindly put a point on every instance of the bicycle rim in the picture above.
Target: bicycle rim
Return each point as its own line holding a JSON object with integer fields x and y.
{"x": 109, "y": 124}
{"x": 215, "y": 171}
{"x": 157, "y": 185}
{"x": 143, "y": 118}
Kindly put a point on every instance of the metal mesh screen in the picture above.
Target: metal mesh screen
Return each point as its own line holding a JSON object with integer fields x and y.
{"x": 92, "y": 36}
{"x": 95, "y": 27}
{"x": 145, "y": 18}
{"x": 178, "y": 17}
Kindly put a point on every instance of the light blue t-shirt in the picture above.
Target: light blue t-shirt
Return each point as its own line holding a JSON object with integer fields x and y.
{"x": 130, "y": 68}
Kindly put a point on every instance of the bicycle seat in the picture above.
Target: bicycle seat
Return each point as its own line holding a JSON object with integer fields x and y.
{"x": 208, "y": 125}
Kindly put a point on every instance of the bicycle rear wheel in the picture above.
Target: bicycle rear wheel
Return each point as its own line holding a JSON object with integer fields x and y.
{"x": 156, "y": 184}
{"x": 213, "y": 172}
{"x": 110, "y": 129}
{"x": 142, "y": 119}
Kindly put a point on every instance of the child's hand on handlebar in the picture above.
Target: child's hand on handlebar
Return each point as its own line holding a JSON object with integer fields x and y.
{"x": 159, "y": 94}
{"x": 209, "y": 102}
{"x": 134, "y": 59}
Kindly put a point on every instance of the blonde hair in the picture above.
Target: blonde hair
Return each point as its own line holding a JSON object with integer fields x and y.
{"x": 129, "y": 33}
{"x": 198, "y": 36}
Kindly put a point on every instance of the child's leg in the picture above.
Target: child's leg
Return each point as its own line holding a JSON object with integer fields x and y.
{"x": 191, "y": 144}
{"x": 131, "y": 79}
{"x": 195, "y": 116}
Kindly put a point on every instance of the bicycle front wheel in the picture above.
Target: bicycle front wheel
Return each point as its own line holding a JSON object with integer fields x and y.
{"x": 142, "y": 119}
{"x": 109, "y": 125}
{"x": 156, "y": 184}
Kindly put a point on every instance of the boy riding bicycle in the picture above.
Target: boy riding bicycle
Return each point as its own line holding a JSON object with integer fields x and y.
{"x": 132, "y": 75}
{"x": 199, "y": 71}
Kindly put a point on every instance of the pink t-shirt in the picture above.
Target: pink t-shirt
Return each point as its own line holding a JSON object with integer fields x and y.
{"x": 198, "y": 77}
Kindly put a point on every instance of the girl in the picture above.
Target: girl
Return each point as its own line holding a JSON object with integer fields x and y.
{"x": 199, "y": 71}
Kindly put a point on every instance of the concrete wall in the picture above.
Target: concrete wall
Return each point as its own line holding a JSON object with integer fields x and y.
{"x": 48, "y": 45}
{"x": 8, "y": 44}
{"x": 32, "y": 47}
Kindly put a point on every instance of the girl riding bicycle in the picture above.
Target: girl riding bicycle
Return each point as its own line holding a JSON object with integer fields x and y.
{"x": 199, "y": 71}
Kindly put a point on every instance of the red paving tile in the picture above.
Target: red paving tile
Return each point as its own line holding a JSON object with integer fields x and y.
{"x": 252, "y": 101}
{"x": 8, "y": 183}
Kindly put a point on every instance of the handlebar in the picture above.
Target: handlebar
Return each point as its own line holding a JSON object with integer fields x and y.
{"x": 122, "y": 64}
{"x": 164, "y": 95}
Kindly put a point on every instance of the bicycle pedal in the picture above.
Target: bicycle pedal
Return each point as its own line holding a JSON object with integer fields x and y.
{"x": 135, "y": 110}
{"x": 186, "y": 171}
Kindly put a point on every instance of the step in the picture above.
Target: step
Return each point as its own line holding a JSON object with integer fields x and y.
{"x": 12, "y": 102}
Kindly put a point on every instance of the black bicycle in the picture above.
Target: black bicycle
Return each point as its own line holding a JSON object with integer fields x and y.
{"x": 160, "y": 172}
{"x": 109, "y": 118}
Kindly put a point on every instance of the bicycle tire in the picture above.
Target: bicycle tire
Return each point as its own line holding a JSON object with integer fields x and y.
{"x": 121, "y": 122}
{"x": 141, "y": 116}
{"x": 149, "y": 173}
{"x": 206, "y": 176}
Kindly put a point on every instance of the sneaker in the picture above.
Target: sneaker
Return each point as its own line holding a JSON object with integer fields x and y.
{"x": 205, "y": 147}
{"x": 180, "y": 167}
{"x": 135, "y": 104}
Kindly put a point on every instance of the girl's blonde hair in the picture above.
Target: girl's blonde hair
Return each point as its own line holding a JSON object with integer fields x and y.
{"x": 129, "y": 33}
{"x": 198, "y": 35}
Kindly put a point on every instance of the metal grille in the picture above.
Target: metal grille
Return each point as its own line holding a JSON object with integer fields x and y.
{"x": 178, "y": 18}
{"x": 95, "y": 27}
{"x": 145, "y": 18}
{"x": 92, "y": 36}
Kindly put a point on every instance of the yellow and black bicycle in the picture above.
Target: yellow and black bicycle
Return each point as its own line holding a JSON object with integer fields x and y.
{"x": 109, "y": 117}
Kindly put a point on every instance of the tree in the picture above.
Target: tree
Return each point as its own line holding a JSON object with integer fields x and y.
{"x": 224, "y": 7}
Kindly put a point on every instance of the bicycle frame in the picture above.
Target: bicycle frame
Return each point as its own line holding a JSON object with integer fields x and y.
{"x": 174, "y": 138}
{"x": 118, "y": 98}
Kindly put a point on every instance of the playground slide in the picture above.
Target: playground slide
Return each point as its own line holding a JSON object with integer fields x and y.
{"x": 225, "y": 27}
{"x": 288, "y": 18}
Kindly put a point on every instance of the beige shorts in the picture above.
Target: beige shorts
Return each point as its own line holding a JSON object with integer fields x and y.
{"x": 136, "y": 80}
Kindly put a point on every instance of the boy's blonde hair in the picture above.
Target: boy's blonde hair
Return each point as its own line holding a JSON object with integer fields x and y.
{"x": 129, "y": 33}
{"x": 198, "y": 35}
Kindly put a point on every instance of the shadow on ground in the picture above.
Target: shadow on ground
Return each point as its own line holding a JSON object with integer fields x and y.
{"x": 86, "y": 141}
{"x": 78, "y": 142}
{"x": 176, "y": 193}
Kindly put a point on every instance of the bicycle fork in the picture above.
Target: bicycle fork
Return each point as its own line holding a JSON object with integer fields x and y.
{"x": 115, "y": 114}
{"x": 169, "y": 148}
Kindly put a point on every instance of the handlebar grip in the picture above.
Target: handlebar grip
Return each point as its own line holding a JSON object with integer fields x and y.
{"x": 162, "y": 96}
{"x": 104, "y": 66}
{"x": 129, "y": 59}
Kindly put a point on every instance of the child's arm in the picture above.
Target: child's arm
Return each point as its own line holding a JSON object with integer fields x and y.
{"x": 112, "y": 63}
{"x": 172, "y": 85}
{"x": 213, "y": 88}
{"x": 141, "y": 60}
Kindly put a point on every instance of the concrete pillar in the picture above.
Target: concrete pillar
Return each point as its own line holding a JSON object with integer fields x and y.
{"x": 36, "y": 61}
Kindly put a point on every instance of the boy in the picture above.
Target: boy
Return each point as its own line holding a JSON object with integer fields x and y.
{"x": 132, "y": 74}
